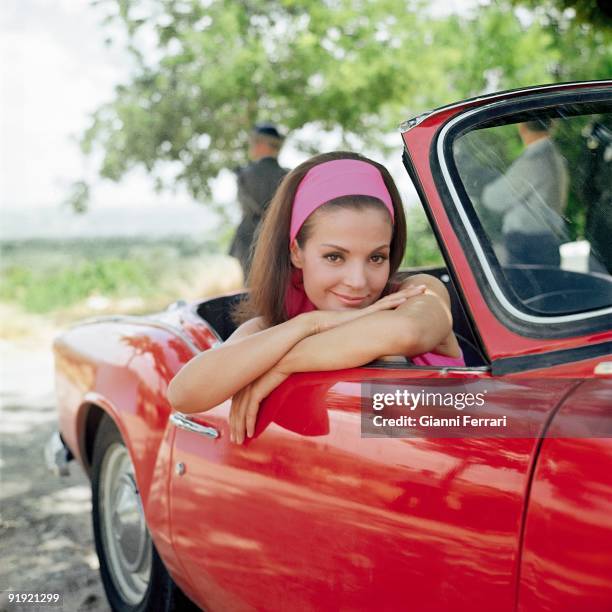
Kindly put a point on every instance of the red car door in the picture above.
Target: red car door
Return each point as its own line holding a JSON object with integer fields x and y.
{"x": 310, "y": 515}
{"x": 566, "y": 561}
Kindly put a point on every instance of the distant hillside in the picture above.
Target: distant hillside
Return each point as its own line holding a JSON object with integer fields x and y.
{"x": 144, "y": 221}
{"x": 73, "y": 278}
{"x": 44, "y": 252}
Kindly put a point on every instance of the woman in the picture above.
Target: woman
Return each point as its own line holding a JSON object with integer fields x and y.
{"x": 323, "y": 295}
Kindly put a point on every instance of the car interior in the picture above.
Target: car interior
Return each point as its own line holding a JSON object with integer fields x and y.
{"x": 572, "y": 216}
{"x": 216, "y": 312}
{"x": 549, "y": 290}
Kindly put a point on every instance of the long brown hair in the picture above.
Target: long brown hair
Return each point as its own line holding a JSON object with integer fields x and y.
{"x": 271, "y": 266}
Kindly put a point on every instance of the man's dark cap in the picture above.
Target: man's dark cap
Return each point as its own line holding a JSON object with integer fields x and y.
{"x": 267, "y": 129}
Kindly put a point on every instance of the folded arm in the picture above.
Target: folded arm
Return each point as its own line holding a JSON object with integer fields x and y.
{"x": 216, "y": 374}
{"x": 418, "y": 326}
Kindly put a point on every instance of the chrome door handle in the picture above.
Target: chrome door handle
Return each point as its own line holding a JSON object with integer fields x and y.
{"x": 184, "y": 422}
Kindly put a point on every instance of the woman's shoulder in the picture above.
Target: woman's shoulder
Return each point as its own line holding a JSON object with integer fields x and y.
{"x": 248, "y": 328}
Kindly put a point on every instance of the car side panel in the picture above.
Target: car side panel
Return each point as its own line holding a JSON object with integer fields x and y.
{"x": 309, "y": 515}
{"x": 124, "y": 369}
{"x": 567, "y": 553}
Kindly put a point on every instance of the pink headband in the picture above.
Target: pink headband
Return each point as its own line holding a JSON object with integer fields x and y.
{"x": 333, "y": 179}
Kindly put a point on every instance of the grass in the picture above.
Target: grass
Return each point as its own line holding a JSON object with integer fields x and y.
{"x": 49, "y": 282}
{"x": 64, "y": 281}
{"x": 43, "y": 291}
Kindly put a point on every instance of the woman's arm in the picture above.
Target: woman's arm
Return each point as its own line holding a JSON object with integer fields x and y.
{"x": 348, "y": 345}
{"x": 417, "y": 326}
{"x": 216, "y": 374}
{"x": 414, "y": 327}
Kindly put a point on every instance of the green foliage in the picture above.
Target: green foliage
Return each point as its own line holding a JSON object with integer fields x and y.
{"x": 46, "y": 276}
{"x": 422, "y": 248}
{"x": 504, "y": 48}
{"x": 223, "y": 65}
{"x": 205, "y": 71}
{"x": 78, "y": 198}
{"x": 41, "y": 292}
{"x": 594, "y": 13}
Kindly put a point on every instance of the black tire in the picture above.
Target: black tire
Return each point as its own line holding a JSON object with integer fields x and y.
{"x": 149, "y": 587}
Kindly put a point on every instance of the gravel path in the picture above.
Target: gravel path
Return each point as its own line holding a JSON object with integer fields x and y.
{"x": 46, "y": 540}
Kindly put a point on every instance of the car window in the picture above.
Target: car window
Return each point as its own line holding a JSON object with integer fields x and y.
{"x": 539, "y": 186}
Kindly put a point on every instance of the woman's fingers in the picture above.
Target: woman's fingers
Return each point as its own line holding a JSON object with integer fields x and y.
{"x": 404, "y": 294}
{"x": 237, "y": 411}
{"x": 241, "y": 415}
{"x": 232, "y": 415}
{"x": 246, "y": 403}
{"x": 231, "y": 418}
{"x": 395, "y": 299}
{"x": 251, "y": 417}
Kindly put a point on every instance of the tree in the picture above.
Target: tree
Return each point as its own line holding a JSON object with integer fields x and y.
{"x": 596, "y": 13}
{"x": 216, "y": 67}
{"x": 206, "y": 70}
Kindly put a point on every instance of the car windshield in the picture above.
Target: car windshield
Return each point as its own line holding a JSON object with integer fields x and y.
{"x": 539, "y": 186}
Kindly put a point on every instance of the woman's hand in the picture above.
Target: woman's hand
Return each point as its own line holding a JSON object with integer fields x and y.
{"x": 328, "y": 319}
{"x": 245, "y": 404}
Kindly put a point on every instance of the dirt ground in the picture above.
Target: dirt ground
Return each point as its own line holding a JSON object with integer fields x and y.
{"x": 46, "y": 539}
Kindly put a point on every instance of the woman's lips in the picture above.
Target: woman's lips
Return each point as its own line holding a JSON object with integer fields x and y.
{"x": 351, "y": 301}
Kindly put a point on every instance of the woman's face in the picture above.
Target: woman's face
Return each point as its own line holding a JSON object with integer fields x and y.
{"x": 345, "y": 261}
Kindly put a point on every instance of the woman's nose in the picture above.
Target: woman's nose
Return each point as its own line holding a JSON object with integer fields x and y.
{"x": 355, "y": 277}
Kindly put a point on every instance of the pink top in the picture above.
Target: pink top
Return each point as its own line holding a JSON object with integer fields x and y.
{"x": 435, "y": 359}
{"x": 296, "y": 302}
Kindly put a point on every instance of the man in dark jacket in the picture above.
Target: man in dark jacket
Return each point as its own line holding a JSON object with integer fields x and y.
{"x": 257, "y": 183}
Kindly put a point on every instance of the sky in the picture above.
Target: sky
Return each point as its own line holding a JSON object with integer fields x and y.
{"x": 55, "y": 70}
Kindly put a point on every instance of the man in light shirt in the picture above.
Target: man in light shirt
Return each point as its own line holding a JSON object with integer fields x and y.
{"x": 532, "y": 196}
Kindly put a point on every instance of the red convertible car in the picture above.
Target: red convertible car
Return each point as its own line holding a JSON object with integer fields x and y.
{"x": 321, "y": 510}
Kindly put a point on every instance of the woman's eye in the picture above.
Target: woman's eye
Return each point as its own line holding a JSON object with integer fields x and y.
{"x": 335, "y": 257}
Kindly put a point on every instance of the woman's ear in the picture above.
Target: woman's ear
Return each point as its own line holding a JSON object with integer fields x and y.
{"x": 295, "y": 253}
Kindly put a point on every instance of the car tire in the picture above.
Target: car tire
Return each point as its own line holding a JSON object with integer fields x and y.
{"x": 132, "y": 572}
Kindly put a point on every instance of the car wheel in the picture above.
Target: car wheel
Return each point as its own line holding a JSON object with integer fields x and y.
{"x": 133, "y": 574}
